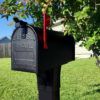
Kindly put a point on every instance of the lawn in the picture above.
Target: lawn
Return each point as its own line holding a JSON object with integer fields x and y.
{"x": 80, "y": 80}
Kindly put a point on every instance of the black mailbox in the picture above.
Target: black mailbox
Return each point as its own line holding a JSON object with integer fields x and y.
{"x": 29, "y": 55}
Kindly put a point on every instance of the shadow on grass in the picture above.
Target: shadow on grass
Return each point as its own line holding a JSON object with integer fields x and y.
{"x": 93, "y": 91}
{"x": 95, "y": 85}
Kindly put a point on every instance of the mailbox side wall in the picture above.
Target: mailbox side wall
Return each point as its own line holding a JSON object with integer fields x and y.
{"x": 61, "y": 50}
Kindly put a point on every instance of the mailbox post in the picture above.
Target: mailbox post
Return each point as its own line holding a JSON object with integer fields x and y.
{"x": 28, "y": 55}
{"x": 49, "y": 84}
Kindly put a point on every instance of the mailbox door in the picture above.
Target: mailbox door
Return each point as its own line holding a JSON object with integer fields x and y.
{"x": 24, "y": 50}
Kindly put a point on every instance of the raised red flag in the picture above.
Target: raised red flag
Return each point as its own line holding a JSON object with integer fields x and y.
{"x": 46, "y": 23}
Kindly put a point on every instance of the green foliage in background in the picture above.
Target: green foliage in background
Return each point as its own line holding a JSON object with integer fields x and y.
{"x": 81, "y": 17}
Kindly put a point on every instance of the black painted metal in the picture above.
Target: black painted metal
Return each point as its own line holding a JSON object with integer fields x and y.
{"x": 29, "y": 55}
{"x": 61, "y": 49}
{"x": 49, "y": 84}
{"x": 24, "y": 50}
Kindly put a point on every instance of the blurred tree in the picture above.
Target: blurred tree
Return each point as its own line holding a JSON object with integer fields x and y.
{"x": 81, "y": 17}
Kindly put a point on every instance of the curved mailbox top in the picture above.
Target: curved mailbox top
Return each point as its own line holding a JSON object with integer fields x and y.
{"x": 24, "y": 46}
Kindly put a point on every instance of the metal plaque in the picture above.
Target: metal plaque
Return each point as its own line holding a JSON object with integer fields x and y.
{"x": 24, "y": 50}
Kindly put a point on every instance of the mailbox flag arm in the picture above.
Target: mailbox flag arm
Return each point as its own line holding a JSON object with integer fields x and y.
{"x": 46, "y": 23}
{"x": 44, "y": 32}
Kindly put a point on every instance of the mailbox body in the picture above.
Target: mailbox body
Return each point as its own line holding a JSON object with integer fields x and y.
{"x": 29, "y": 55}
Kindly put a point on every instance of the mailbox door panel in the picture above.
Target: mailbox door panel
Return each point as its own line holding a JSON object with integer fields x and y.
{"x": 24, "y": 50}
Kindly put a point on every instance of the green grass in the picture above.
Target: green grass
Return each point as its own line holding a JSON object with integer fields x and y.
{"x": 80, "y": 80}
{"x": 16, "y": 85}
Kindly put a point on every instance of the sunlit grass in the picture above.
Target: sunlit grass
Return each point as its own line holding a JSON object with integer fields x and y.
{"x": 80, "y": 80}
{"x": 16, "y": 85}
